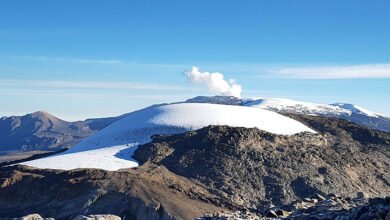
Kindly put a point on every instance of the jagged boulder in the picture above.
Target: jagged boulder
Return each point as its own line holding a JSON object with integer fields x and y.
{"x": 33, "y": 217}
{"x": 97, "y": 217}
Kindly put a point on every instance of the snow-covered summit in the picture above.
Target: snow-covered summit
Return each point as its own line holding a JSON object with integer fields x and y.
{"x": 224, "y": 100}
{"x": 356, "y": 109}
{"x": 287, "y": 105}
{"x": 346, "y": 111}
{"x": 299, "y": 107}
{"x": 292, "y": 106}
{"x": 112, "y": 147}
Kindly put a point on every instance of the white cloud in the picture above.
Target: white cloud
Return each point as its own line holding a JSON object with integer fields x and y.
{"x": 335, "y": 72}
{"x": 215, "y": 82}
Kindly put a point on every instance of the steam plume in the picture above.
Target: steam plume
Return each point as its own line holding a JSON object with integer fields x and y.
{"x": 215, "y": 82}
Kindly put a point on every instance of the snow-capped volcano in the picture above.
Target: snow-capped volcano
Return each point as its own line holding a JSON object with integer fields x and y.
{"x": 349, "y": 112}
{"x": 112, "y": 148}
{"x": 292, "y": 106}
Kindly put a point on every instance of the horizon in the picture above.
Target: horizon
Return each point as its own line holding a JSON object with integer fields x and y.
{"x": 92, "y": 59}
{"x": 87, "y": 118}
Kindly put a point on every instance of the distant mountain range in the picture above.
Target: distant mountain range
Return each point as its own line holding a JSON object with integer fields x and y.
{"x": 41, "y": 131}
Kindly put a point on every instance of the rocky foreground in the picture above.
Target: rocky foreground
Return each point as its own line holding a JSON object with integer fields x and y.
{"x": 220, "y": 172}
{"x": 332, "y": 207}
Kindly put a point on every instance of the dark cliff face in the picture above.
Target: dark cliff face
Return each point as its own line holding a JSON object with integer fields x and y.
{"x": 252, "y": 167}
{"x": 42, "y": 131}
{"x": 144, "y": 193}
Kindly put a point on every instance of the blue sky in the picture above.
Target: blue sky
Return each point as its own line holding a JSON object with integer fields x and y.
{"x": 81, "y": 59}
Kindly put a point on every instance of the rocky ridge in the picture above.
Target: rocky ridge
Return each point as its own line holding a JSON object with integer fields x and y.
{"x": 148, "y": 192}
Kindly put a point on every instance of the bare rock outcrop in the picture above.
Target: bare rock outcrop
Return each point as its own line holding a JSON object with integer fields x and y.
{"x": 142, "y": 193}
{"x": 252, "y": 168}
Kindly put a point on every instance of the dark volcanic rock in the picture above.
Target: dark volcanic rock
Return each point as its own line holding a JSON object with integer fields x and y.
{"x": 144, "y": 193}
{"x": 341, "y": 208}
{"x": 253, "y": 167}
{"x": 328, "y": 209}
{"x": 223, "y": 100}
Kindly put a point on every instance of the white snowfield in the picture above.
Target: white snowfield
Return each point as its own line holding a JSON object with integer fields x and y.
{"x": 288, "y": 105}
{"x": 112, "y": 148}
{"x": 357, "y": 109}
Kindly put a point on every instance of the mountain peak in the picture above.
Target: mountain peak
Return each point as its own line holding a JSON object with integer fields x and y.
{"x": 225, "y": 100}
{"x": 43, "y": 115}
{"x": 355, "y": 109}
{"x": 37, "y": 114}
